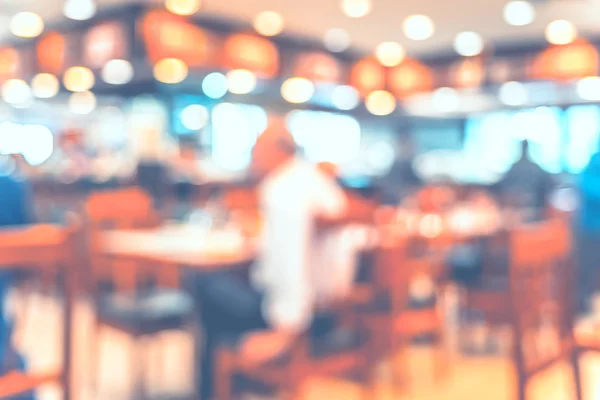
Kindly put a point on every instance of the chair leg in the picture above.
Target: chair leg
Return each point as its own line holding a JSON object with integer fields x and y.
{"x": 441, "y": 361}
{"x": 95, "y": 359}
{"x": 224, "y": 375}
{"x": 577, "y": 375}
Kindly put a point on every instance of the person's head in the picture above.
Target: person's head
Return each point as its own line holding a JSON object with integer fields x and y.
{"x": 273, "y": 147}
{"x": 524, "y": 149}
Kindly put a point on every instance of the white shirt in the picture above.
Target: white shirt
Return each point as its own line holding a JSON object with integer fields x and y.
{"x": 291, "y": 199}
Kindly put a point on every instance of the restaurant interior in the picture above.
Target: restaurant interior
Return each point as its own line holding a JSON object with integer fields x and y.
{"x": 280, "y": 199}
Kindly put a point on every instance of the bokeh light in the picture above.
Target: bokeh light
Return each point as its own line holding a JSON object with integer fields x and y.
{"x": 380, "y": 102}
{"x": 79, "y": 79}
{"x": 79, "y": 10}
{"x": 45, "y": 86}
{"x": 183, "y": 7}
{"x": 418, "y": 27}
{"x": 337, "y": 40}
{"x": 241, "y": 81}
{"x": 215, "y": 85}
{"x": 297, "y": 90}
{"x": 519, "y": 13}
{"x": 117, "y": 72}
{"x": 446, "y": 99}
{"x": 561, "y": 32}
{"x": 468, "y": 44}
{"x": 268, "y": 23}
{"x": 16, "y": 92}
{"x": 356, "y": 8}
{"x": 26, "y": 25}
{"x": 170, "y": 71}
{"x": 345, "y": 97}
{"x": 82, "y": 103}
{"x": 513, "y": 94}
{"x": 194, "y": 117}
{"x": 589, "y": 88}
{"x": 390, "y": 54}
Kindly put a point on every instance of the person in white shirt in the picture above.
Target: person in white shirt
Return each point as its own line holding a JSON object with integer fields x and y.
{"x": 277, "y": 303}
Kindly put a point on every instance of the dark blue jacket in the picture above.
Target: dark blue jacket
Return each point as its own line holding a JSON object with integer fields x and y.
{"x": 589, "y": 187}
{"x": 15, "y": 209}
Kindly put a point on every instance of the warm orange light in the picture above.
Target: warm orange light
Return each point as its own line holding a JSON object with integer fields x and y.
{"x": 79, "y": 79}
{"x": 268, "y": 23}
{"x": 170, "y": 71}
{"x": 380, "y": 102}
{"x": 183, "y": 7}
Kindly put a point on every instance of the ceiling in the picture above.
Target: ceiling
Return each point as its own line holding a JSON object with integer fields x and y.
{"x": 312, "y": 18}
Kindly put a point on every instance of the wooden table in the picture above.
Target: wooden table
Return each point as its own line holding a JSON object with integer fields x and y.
{"x": 185, "y": 246}
{"x": 44, "y": 247}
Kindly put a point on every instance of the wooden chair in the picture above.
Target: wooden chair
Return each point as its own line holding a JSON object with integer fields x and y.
{"x": 543, "y": 302}
{"x": 43, "y": 247}
{"x": 311, "y": 355}
{"x": 139, "y": 299}
{"x": 392, "y": 310}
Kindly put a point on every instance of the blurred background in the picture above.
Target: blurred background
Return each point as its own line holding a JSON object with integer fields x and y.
{"x": 443, "y": 156}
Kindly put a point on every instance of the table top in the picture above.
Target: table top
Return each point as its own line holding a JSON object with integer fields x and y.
{"x": 183, "y": 245}
{"x": 32, "y": 244}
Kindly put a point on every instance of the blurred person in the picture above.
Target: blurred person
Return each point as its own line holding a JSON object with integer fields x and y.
{"x": 589, "y": 231}
{"x": 15, "y": 209}
{"x": 526, "y": 187}
{"x": 401, "y": 181}
{"x": 267, "y": 311}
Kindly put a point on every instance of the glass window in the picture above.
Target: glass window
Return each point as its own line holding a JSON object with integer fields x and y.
{"x": 326, "y": 136}
{"x": 235, "y": 128}
{"x": 584, "y": 136}
{"x": 492, "y": 141}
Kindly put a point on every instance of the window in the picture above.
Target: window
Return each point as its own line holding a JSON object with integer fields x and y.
{"x": 235, "y": 128}
{"x": 492, "y": 141}
{"x": 326, "y": 136}
{"x": 584, "y": 136}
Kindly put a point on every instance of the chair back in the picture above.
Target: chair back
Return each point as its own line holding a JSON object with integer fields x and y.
{"x": 542, "y": 291}
{"x": 44, "y": 248}
{"x": 125, "y": 209}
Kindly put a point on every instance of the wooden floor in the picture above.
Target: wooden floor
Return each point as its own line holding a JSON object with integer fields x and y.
{"x": 488, "y": 378}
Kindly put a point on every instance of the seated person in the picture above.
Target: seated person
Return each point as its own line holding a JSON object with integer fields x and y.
{"x": 15, "y": 209}
{"x": 278, "y": 301}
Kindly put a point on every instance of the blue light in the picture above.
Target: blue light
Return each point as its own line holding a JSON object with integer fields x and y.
{"x": 214, "y": 85}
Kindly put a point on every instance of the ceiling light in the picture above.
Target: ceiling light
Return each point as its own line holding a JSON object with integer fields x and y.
{"x": 356, "y": 8}
{"x": 519, "y": 13}
{"x": 380, "y": 102}
{"x": 337, "y": 40}
{"x": 26, "y": 25}
{"x": 589, "y": 88}
{"x": 170, "y": 70}
{"x": 561, "y": 32}
{"x": 268, "y": 23}
{"x": 297, "y": 90}
{"x": 45, "y": 86}
{"x": 418, "y": 27}
{"x": 390, "y": 54}
{"x": 241, "y": 81}
{"x": 446, "y": 99}
{"x": 117, "y": 72}
{"x": 79, "y": 10}
{"x": 345, "y": 97}
{"x": 214, "y": 85}
{"x": 513, "y": 94}
{"x": 468, "y": 44}
{"x": 82, "y": 103}
{"x": 16, "y": 92}
{"x": 194, "y": 117}
{"x": 183, "y": 7}
{"x": 79, "y": 79}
